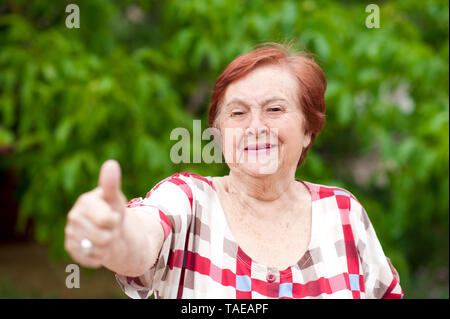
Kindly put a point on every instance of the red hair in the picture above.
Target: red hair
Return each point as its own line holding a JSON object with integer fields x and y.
{"x": 310, "y": 78}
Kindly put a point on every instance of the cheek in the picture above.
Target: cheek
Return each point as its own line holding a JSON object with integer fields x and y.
{"x": 290, "y": 136}
{"x": 232, "y": 138}
{"x": 232, "y": 134}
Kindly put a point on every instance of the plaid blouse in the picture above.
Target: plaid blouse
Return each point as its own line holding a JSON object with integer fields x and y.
{"x": 200, "y": 259}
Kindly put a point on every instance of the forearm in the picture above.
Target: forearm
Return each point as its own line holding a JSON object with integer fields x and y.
{"x": 137, "y": 247}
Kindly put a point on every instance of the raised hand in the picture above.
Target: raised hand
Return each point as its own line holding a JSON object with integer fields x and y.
{"x": 95, "y": 221}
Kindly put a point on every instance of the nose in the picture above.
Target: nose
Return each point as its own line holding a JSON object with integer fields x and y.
{"x": 256, "y": 126}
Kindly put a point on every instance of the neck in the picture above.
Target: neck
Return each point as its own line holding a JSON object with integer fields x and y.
{"x": 267, "y": 188}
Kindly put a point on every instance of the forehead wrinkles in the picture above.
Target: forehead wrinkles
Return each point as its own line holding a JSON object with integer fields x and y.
{"x": 262, "y": 84}
{"x": 279, "y": 79}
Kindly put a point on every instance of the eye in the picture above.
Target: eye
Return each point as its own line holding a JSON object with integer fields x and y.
{"x": 274, "y": 109}
{"x": 237, "y": 113}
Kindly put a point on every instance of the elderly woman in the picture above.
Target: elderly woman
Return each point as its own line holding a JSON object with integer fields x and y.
{"x": 258, "y": 232}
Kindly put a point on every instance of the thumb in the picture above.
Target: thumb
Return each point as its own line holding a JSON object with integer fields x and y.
{"x": 110, "y": 180}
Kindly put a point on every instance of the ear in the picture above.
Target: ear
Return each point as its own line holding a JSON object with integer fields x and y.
{"x": 307, "y": 136}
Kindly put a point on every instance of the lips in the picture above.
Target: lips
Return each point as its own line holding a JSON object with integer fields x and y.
{"x": 259, "y": 146}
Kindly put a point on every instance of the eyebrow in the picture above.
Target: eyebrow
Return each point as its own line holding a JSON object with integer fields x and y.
{"x": 265, "y": 102}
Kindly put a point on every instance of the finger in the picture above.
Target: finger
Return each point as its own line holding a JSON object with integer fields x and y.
{"x": 94, "y": 264}
{"x": 110, "y": 183}
{"x": 92, "y": 260}
{"x": 94, "y": 208}
{"x": 98, "y": 236}
{"x": 100, "y": 213}
{"x": 110, "y": 180}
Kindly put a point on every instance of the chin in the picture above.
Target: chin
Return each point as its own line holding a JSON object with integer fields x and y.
{"x": 260, "y": 170}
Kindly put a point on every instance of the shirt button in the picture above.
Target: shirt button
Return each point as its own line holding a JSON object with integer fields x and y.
{"x": 271, "y": 277}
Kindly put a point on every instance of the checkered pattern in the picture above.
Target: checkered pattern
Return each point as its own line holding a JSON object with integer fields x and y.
{"x": 200, "y": 258}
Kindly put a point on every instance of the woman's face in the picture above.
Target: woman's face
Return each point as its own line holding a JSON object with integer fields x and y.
{"x": 261, "y": 123}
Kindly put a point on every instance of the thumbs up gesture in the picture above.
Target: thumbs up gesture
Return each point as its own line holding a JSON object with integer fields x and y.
{"x": 95, "y": 221}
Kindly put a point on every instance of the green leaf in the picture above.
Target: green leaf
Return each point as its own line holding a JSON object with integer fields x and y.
{"x": 345, "y": 109}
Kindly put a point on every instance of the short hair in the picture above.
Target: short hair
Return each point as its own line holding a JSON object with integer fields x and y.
{"x": 310, "y": 78}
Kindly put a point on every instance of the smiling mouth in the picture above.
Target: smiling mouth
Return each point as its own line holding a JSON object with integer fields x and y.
{"x": 259, "y": 147}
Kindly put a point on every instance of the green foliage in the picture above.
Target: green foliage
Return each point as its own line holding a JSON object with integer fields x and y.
{"x": 116, "y": 87}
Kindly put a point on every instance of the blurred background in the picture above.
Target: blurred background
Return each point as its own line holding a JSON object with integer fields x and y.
{"x": 116, "y": 86}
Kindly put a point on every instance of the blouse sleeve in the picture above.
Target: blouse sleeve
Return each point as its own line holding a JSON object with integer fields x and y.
{"x": 170, "y": 202}
{"x": 380, "y": 279}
